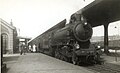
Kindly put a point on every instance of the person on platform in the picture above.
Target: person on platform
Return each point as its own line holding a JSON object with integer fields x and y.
{"x": 34, "y": 48}
{"x": 22, "y": 48}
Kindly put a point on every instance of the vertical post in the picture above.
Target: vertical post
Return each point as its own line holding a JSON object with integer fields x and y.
{"x": 106, "y": 38}
{"x": 1, "y": 49}
{"x": 116, "y": 55}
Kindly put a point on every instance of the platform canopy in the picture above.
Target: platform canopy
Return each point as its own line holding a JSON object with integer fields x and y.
{"x": 100, "y": 12}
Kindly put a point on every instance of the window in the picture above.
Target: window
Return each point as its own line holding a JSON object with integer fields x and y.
{"x": 4, "y": 43}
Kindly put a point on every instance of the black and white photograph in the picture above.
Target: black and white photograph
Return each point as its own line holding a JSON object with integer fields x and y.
{"x": 60, "y": 36}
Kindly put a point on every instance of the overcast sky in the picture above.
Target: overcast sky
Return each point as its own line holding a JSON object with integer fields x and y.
{"x": 34, "y": 17}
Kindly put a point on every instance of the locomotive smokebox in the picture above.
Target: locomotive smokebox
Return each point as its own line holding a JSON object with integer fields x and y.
{"x": 82, "y": 31}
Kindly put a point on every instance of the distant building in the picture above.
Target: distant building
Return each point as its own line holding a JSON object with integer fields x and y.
{"x": 101, "y": 38}
{"x": 97, "y": 38}
{"x": 8, "y": 37}
{"x": 23, "y": 40}
{"x": 114, "y": 41}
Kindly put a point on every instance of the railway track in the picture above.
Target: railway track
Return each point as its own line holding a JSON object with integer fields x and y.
{"x": 105, "y": 68}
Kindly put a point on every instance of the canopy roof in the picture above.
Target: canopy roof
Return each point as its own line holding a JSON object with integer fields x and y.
{"x": 100, "y": 12}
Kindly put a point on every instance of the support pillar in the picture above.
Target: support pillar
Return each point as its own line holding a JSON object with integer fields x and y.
{"x": 106, "y": 38}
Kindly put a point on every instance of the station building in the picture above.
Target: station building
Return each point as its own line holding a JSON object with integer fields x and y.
{"x": 8, "y": 34}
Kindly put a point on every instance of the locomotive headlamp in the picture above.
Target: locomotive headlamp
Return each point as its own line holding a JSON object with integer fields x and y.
{"x": 85, "y": 23}
{"x": 83, "y": 19}
{"x": 77, "y": 46}
{"x": 98, "y": 46}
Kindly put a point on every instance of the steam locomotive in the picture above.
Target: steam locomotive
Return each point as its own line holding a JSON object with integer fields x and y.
{"x": 72, "y": 43}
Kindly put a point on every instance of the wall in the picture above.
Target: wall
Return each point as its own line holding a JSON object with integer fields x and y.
{"x": 9, "y": 31}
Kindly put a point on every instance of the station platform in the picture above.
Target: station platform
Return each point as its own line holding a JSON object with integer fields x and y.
{"x": 112, "y": 58}
{"x": 39, "y": 63}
